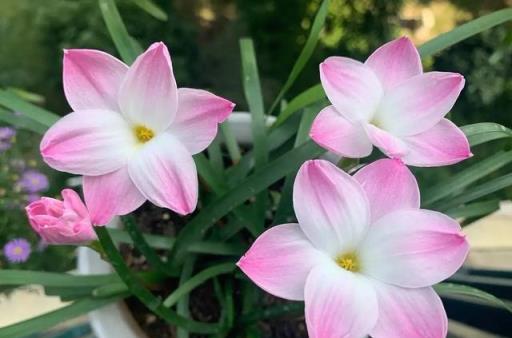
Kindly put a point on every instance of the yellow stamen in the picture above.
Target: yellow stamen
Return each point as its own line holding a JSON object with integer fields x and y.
{"x": 143, "y": 133}
{"x": 18, "y": 250}
{"x": 348, "y": 261}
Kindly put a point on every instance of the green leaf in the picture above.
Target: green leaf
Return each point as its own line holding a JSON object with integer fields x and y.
{"x": 183, "y": 304}
{"x": 152, "y": 9}
{"x": 125, "y": 44}
{"x": 451, "y": 289}
{"x": 41, "y": 323}
{"x": 13, "y": 102}
{"x": 24, "y": 277}
{"x": 479, "y": 133}
{"x": 305, "y": 54}
{"x": 474, "y": 209}
{"x": 307, "y": 97}
{"x": 197, "y": 280}
{"x": 22, "y": 122}
{"x": 472, "y": 194}
{"x": 463, "y": 179}
{"x": 231, "y": 143}
{"x": 215, "y": 156}
{"x": 252, "y": 90}
{"x": 465, "y": 31}
{"x": 272, "y": 172}
{"x": 144, "y": 295}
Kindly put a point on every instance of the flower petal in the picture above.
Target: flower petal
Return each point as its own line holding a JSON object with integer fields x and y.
{"x": 440, "y": 145}
{"x": 149, "y": 95}
{"x": 92, "y": 79}
{"x": 110, "y": 195}
{"x": 92, "y": 142}
{"x": 335, "y": 133}
{"x": 280, "y": 260}
{"x": 339, "y": 303}
{"x": 395, "y": 62}
{"x": 165, "y": 173}
{"x": 389, "y": 144}
{"x": 389, "y": 186}
{"x": 413, "y": 248}
{"x": 409, "y": 313}
{"x": 331, "y": 206}
{"x": 199, "y": 113}
{"x": 419, "y": 103}
{"x": 352, "y": 87}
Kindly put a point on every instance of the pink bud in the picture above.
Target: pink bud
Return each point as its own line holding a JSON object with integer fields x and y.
{"x": 61, "y": 222}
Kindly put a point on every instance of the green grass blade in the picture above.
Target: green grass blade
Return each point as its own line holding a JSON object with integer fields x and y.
{"x": 182, "y": 308}
{"x": 144, "y": 295}
{"x": 215, "y": 156}
{"x": 305, "y": 54}
{"x": 451, "y": 289}
{"x": 479, "y": 133}
{"x": 53, "y": 279}
{"x": 307, "y": 97}
{"x": 474, "y": 209}
{"x": 197, "y": 280}
{"x": 465, "y": 31}
{"x": 13, "y": 102}
{"x": 151, "y": 8}
{"x": 125, "y": 44}
{"x": 48, "y": 320}
{"x": 22, "y": 122}
{"x": 231, "y": 143}
{"x": 466, "y": 177}
{"x": 472, "y": 194}
{"x": 254, "y": 97}
{"x": 272, "y": 172}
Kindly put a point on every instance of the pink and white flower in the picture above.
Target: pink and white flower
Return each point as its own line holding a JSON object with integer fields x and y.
{"x": 363, "y": 255}
{"x": 389, "y": 102}
{"x": 132, "y": 132}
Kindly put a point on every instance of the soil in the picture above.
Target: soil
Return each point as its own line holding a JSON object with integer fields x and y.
{"x": 204, "y": 305}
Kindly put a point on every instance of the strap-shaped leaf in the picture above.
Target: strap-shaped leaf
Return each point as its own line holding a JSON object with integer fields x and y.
{"x": 451, "y": 289}
{"x": 479, "y": 133}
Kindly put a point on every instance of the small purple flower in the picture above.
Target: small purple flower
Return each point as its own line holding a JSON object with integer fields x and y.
{"x": 7, "y": 135}
{"x": 33, "y": 181}
{"x": 17, "y": 250}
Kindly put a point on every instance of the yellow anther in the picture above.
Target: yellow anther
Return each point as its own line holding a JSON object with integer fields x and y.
{"x": 348, "y": 261}
{"x": 143, "y": 133}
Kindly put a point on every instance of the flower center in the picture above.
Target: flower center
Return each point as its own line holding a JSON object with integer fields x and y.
{"x": 17, "y": 250}
{"x": 348, "y": 261}
{"x": 143, "y": 133}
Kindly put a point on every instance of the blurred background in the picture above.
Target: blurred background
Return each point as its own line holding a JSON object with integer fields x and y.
{"x": 203, "y": 36}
